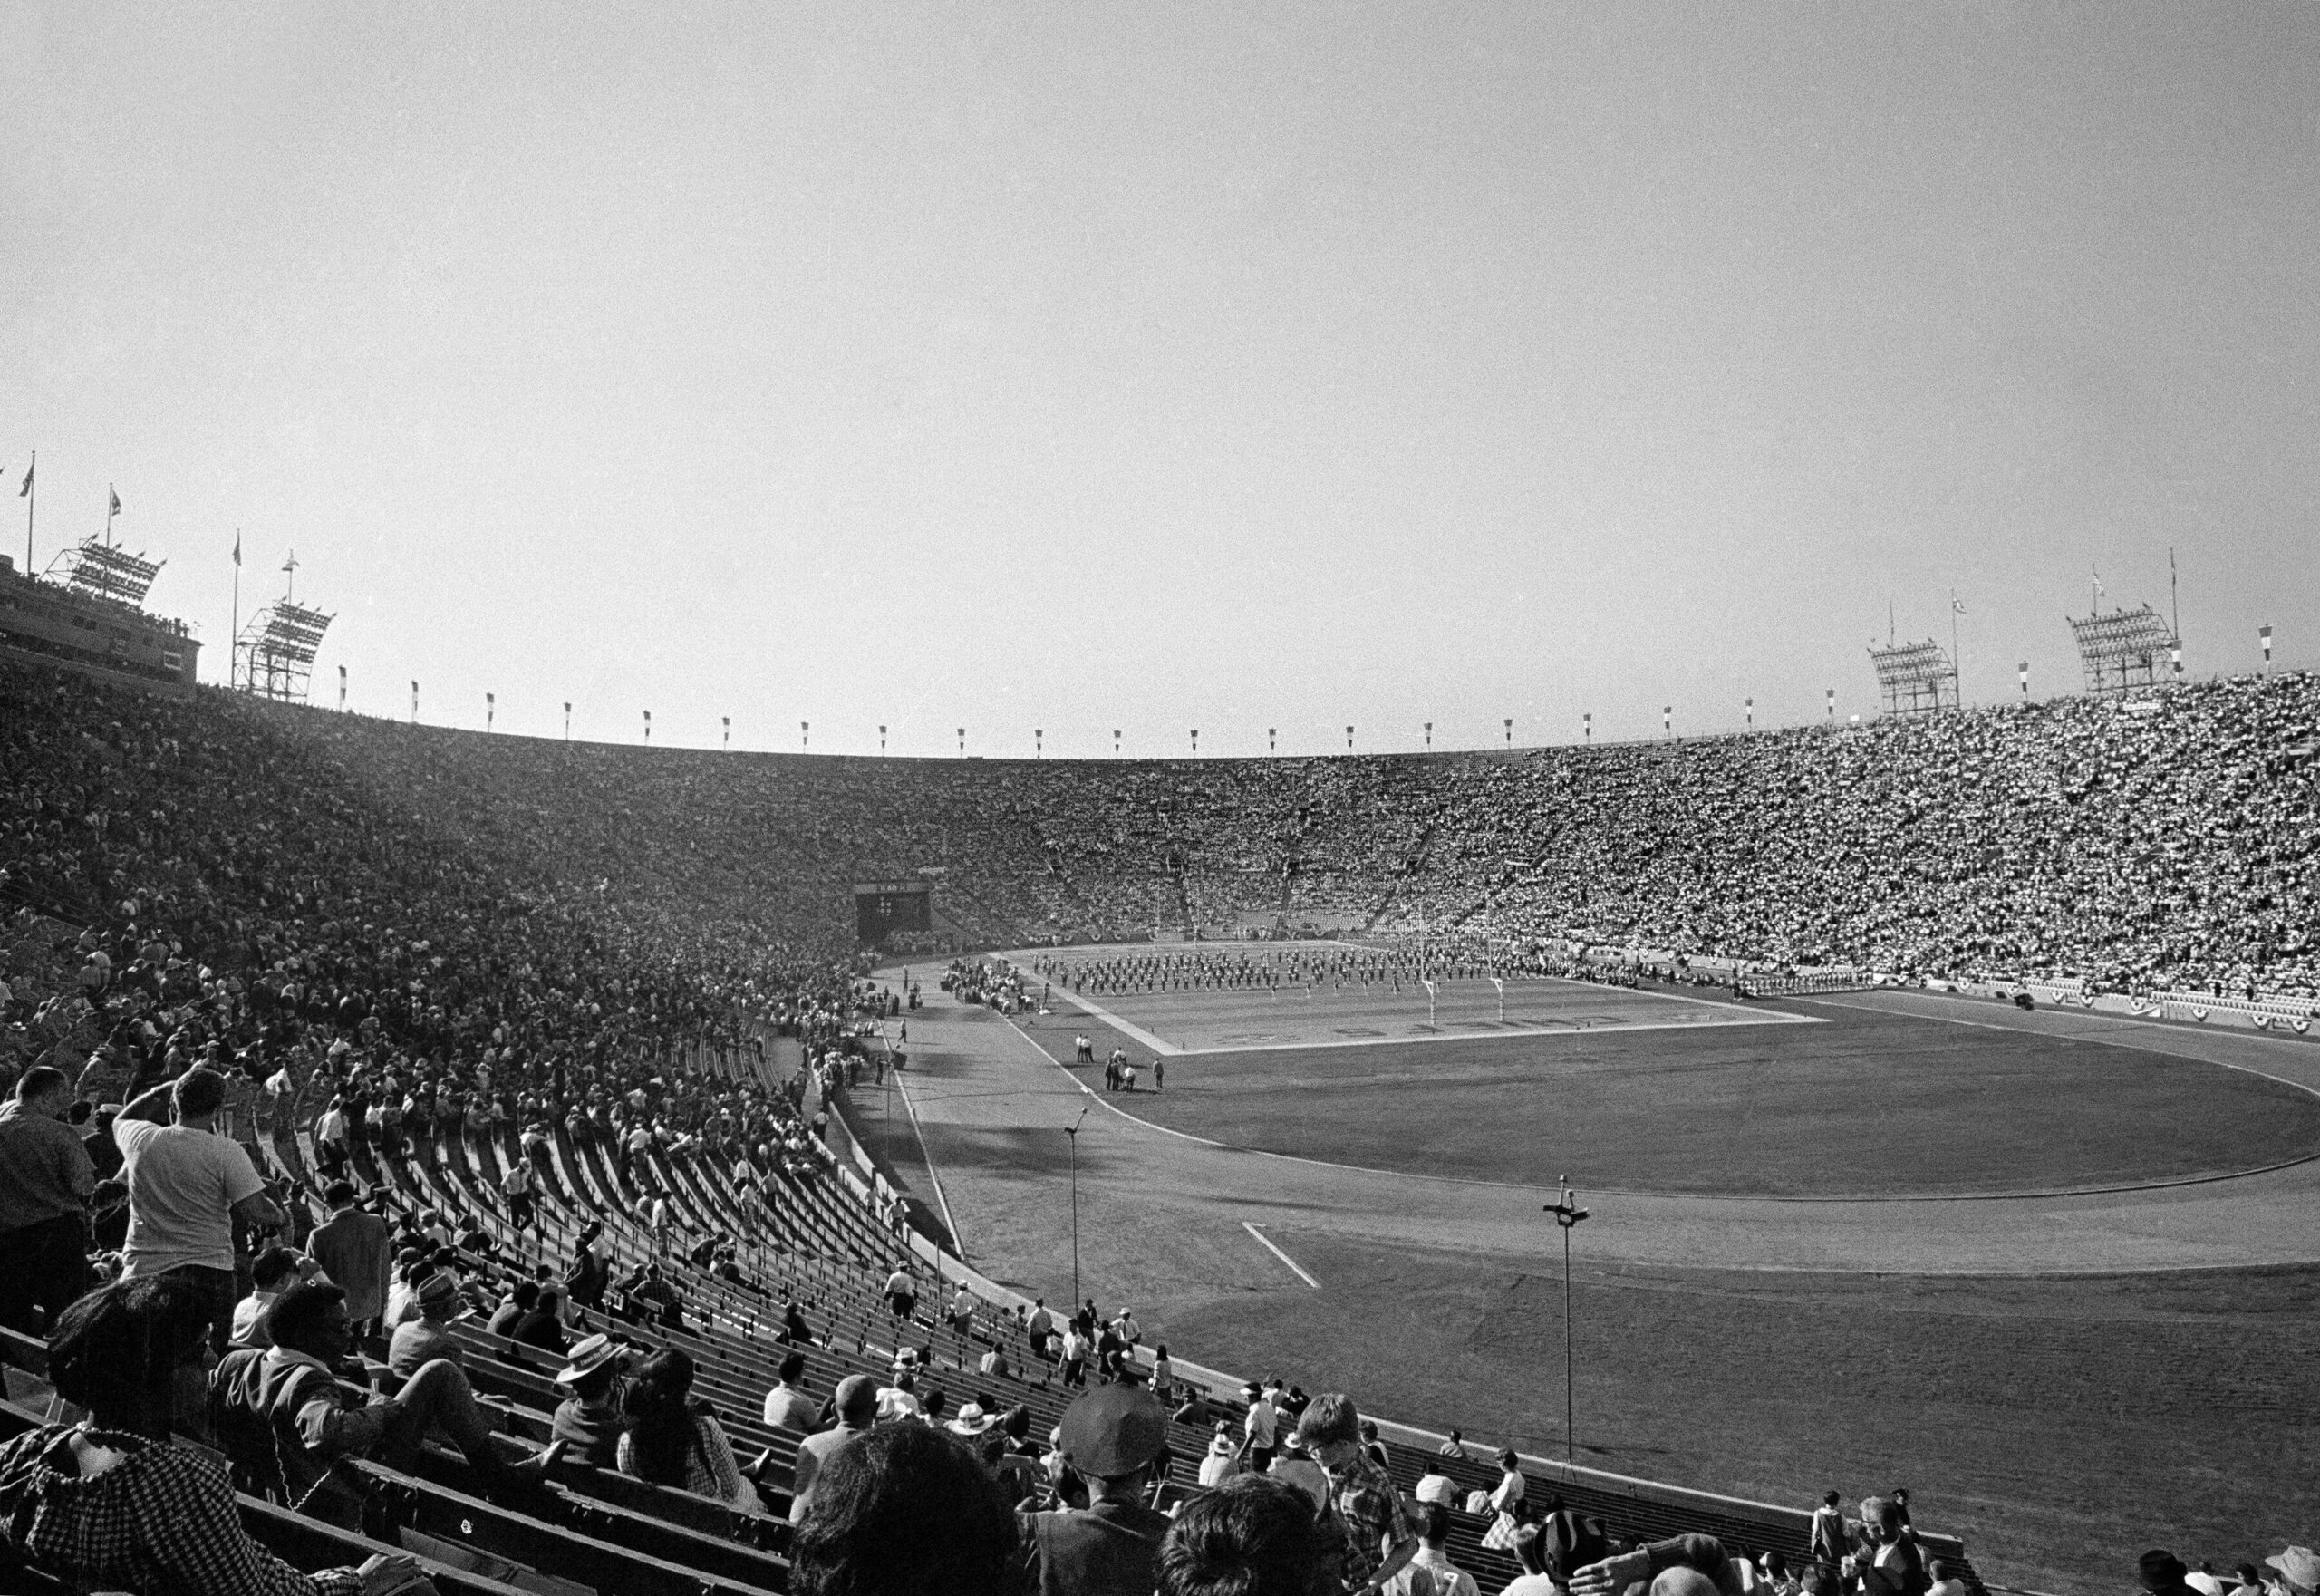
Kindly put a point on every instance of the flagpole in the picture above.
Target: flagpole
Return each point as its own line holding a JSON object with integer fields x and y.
{"x": 235, "y": 630}
{"x": 32, "y": 502}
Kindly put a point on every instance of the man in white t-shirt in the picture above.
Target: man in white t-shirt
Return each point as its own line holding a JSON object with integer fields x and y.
{"x": 186, "y": 1185}
{"x": 1264, "y": 1426}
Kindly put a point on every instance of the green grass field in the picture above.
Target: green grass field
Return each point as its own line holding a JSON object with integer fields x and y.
{"x": 1663, "y": 1092}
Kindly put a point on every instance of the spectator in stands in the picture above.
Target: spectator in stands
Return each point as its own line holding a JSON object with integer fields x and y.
{"x": 1893, "y": 1566}
{"x": 794, "y": 1331}
{"x": 45, "y": 1182}
{"x": 2298, "y": 1568}
{"x": 352, "y": 1248}
{"x": 1222, "y": 1460}
{"x": 186, "y": 1186}
{"x": 541, "y": 1324}
{"x": 110, "y": 1504}
{"x": 591, "y": 1274}
{"x": 901, "y": 1293}
{"x": 788, "y": 1408}
{"x": 1260, "y": 1432}
{"x": 1364, "y": 1506}
{"x": 1697, "y": 1555}
{"x": 1250, "y": 1536}
{"x": 521, "y": 1298}
{"x": 856, "y": 1404}
{"x": 1455, "y": 1446}
{"x": 646, "y": 1285}
{"x": 589, "y": 1420}
{"x": 2162, "y": 1573}
{"x": 1430, "y": 1572}
{"x": 905, "y": 1510}
{"x": 283, "y": 1413}
{"x": 1507, "y": 1495}
{"x": 420, "y": 1342}
{"x": 1433, "y": 1485}
{"x": 1074, "y": 1352}
{"x": 1111, "y": 1436}
{"x": 1828, "y": 1543}
{"x": 671, "y": 1438}
{"x": 272, "y": 1273}
{"x": 1945, "y": 1583}
{"x": 1290, "y": 1462}
{"x": 331, "y": 1151}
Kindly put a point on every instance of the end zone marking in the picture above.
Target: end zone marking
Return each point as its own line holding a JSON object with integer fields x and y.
{"x": 1266, "y": 1242}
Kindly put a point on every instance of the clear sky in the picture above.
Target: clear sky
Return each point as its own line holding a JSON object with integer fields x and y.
{"x": 1158, "y": 367}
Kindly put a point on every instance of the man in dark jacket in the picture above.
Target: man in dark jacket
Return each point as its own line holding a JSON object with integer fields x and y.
{"x": 1111, "y": 1547}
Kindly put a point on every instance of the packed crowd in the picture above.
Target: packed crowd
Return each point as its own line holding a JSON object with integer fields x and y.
{"x": 2141, "y": 844}
{"x": 214, "y": 907}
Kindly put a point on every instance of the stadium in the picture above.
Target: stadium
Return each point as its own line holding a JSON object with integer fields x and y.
{"x": 980, "y": 801}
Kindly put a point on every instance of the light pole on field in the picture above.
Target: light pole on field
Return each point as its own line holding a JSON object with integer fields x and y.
{"x": 1072, "y": 1130}
{"x": 1567, "y": 1215}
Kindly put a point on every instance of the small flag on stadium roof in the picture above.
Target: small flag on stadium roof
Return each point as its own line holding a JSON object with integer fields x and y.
{"x": 114, "y": 497}
{"x": 27, "y": 487}
{"x": 237, "y": 550}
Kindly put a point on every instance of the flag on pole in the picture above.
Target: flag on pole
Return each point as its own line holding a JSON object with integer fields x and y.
{"x": 1957, "y": 604}
{"x": 27, "y": 487}
{"x": 237, "y": 551}
{"x": 114, "y": 497}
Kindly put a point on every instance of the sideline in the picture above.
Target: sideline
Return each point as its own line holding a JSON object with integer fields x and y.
{"x": 926, "y": 1157}
{"x": 1266, "y": 1242}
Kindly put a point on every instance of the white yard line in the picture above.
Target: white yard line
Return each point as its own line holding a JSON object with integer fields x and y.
{"x": 933, "y": 1175}
{"x": 1266, "y": 1242}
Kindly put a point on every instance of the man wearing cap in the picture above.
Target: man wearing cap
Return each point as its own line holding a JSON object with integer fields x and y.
{"x": 856, "y": 1402}
{"x": 1111, "y": 1547}
{"x": 2299, "y": 1570}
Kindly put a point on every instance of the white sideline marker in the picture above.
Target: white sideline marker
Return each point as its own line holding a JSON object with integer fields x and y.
{"x": 1266, "y": 1242}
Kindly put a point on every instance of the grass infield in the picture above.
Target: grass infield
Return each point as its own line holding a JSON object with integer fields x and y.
{"x": 1711, "y": 1102}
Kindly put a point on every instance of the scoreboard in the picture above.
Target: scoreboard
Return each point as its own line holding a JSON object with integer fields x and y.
{"x": 883, "y": 908}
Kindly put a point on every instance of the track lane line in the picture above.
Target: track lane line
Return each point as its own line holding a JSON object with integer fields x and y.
{"x": 1266, "y": 1242}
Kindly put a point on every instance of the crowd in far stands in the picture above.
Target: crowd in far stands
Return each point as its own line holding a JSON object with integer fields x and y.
{"x": 213, "y": 909}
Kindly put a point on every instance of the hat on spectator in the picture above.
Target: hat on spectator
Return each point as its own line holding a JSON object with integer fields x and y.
{"x": 1113, "y": 1430}
{"x": 2300, "y": 1567}
{"x": 972, "y": 1420}
{"x": 1220, "y": 1444}
{"x": 2161, "y": 1570}
{"x": 588, "y": 1356}
{"x": 1568, "y": 1542}
{"x": 438, "y": 1290}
